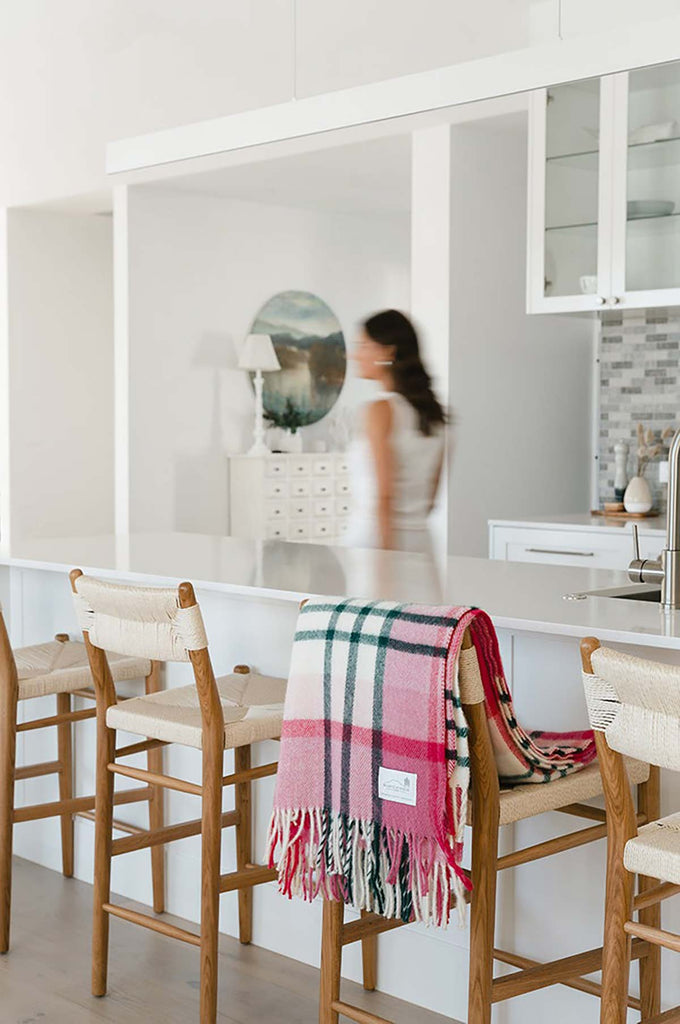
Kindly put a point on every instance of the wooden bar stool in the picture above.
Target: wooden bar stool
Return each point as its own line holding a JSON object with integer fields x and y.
{"x": 60, "y": 668}
{"x": 212, "y": 715}
{"x": 492, "y": 807}
{"x": 634, "y": 706}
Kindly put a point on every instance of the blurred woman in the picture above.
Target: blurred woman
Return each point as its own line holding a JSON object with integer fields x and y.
{"x": 396, "y": 460}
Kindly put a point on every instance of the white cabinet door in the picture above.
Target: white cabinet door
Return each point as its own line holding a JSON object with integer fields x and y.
{"x": 646, "y": 192}
{"x": 604, "y": 193}
{"x": 571, "y": 144}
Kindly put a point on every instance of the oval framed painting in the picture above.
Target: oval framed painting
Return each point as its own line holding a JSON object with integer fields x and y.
{"x": 310, "y": 346}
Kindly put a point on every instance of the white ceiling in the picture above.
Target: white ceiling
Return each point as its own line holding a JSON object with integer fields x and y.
{"x": 365, "y": 177}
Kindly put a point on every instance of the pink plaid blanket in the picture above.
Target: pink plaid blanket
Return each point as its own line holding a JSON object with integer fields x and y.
{"x": 372, "y": 785}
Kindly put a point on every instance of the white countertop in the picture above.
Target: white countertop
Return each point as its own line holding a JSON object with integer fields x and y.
{"x": 518, "y": 596}
{"x": 585, "y": 521}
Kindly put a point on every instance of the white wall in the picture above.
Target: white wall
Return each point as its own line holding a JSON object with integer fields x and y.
{"x": 520, "y": 385}
{"x": 200, "y": 269}
{"x": 79, "y": 73}
{"x": 61, "y": 366}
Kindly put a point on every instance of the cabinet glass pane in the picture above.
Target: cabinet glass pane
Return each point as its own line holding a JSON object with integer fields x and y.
{"x": 571, "y": 188}
{"x": 653, "y": 179}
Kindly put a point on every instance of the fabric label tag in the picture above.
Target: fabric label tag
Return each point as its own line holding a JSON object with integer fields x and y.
{"x": 399, "y": 787}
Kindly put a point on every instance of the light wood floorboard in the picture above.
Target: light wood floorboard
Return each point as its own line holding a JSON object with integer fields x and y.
{"x": 45, "y": 979}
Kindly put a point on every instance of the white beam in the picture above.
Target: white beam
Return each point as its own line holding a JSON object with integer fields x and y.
{"x": 617, "y": 49}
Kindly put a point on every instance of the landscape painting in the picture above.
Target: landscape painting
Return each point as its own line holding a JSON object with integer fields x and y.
{"x": 310, "y": 346}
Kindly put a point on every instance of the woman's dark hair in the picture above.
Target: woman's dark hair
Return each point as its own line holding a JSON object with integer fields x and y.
{"x": 394, "y": 330}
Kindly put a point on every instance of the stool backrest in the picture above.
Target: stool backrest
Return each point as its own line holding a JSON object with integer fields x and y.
{"x": 142, "y": 622}
{"x": 636, "y": 704}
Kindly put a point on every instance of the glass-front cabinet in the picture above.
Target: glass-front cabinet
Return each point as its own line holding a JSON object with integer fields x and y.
{"x": 604, "y": 193}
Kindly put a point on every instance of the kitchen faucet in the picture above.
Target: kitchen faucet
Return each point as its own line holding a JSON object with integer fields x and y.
{"x": 665, "y": 569}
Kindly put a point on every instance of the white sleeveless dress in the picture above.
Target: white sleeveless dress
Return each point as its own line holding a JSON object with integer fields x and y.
{"x": 416, "y": 461}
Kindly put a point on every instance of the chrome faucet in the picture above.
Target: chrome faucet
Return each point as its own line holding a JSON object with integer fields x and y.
{"x": 665, "y": 569}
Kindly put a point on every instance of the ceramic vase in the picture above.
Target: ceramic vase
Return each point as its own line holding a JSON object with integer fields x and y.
{"x": 638, "y": 497}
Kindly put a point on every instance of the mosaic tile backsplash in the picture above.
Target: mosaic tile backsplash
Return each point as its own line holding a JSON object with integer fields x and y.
{"x": 639, "y": 382}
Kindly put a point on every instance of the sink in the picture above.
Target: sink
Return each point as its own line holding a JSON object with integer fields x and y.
{"x": 635, "y": 593}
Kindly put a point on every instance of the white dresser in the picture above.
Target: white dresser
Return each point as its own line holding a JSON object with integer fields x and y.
{"x": 290, "y": 497}
{"x": 590, "y": 541}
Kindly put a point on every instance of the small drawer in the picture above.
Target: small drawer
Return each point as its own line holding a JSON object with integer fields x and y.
{"x": 299, "y": 467}
{"x": 323, "y": 507}
{"x": 276, "y": 531}
{"x": 298, "y": 531}
{"x": 276, "y": 467}
{"x": 276, "y": 488}
{"x": 323, "y": 530}
{"x": 322, "y": 467}
{"x": 275, "y": 509}
{"x": 298, "y": 509}
{"x": 342, "y": 507}
{"x": 342, "y": 486}
{"x": 322, "y": 488}
{"x": 300, "y": 488}
{"x": 342, "y": 467}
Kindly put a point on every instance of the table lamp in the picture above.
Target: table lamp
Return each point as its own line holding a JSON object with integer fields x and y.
{"x": 258, "y": 355}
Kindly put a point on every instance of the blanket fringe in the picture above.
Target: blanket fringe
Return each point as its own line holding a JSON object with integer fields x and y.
{"x": 320, "y": 853}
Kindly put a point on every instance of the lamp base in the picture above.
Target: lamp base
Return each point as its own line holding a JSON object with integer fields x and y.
{"x": 259, "y": 448}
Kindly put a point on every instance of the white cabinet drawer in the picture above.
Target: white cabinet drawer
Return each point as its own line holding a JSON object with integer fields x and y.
{"x": 276, "y": 509}
{"x": 595, "y": 548}
{"x": 322, "y": 488}
{"x": 322, "y": 467}
{"x": 275, "y": 487}
{"x": 342, "y": 506}
{"x": 323, "y": 529}
{"x": 300, "y": 488}
{"x": 298, "y": 531}
{"x": 299, "y": 509}
{"x": 299, "y": 467}
{"x": 342, "y": 467}
{"x": 276, "y": 467}
{"x": 276, "y": 531}
{"x": 323, "y": 507}
{"x": 342, "y": 486}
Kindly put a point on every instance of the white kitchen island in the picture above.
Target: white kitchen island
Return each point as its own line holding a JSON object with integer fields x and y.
{"x": 249, "y": 592}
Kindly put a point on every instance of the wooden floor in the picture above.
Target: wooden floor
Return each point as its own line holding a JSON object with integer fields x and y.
{"x": 45, "y": 977}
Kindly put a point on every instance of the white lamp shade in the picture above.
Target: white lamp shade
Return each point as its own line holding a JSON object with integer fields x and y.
{"x": 258, "y": 354}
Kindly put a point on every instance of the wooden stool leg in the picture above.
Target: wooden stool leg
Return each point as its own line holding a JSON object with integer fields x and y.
{"x": 621, "y": 826}
{"x": 106, "y": 750}
{"x": 369, "y": 959}
{"x": 331, "y": 960}
{"x": 244, "y": 842}
{"x": 65, "y": 748}
{"x": 8, "y": 741}
{"x": 154, "y": 760}
{"x": 482, "y": 917}
{"x": 649, "y": 803}
{"x": 210, "y": 878}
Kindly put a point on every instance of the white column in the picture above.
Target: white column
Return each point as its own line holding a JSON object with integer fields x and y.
{"x": 121, "y": 359}
{"x": 431, "y": 274}
{"x": 4, "y": 385}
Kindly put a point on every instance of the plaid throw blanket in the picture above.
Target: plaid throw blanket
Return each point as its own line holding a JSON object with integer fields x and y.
{"x": 373, "y": 777}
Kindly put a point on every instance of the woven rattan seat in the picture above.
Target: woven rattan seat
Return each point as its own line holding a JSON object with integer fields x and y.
{"x": 655, "y": 851}
{"x": 520, "y": 802}
{"x": 62, "y": 667}
{"x": 252, "y": 705}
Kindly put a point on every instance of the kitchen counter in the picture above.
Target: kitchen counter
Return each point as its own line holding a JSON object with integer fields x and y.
{"x": 249, "y": 593}
{"x": 518, "y": 596}
{"x": 585, "y": 521}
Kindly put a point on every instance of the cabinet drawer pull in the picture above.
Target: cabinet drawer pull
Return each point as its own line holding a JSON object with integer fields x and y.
{"x": 557, "y": 551}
